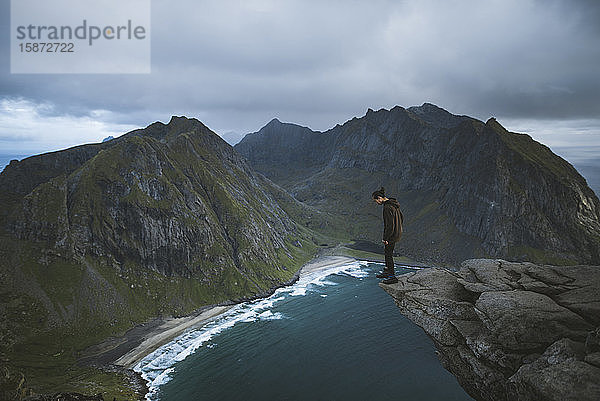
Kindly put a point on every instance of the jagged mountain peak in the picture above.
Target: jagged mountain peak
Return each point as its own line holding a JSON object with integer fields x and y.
{"x": 178, "y": 119}
{"x": 503, "y": 190}
{"x": 276, "y": 123}
{"x": 437, "y": 116}
{"x": 21, "y": 177}
{"x": 184, "y": 129}
{"x": 426, "y": 108}
{"x": 495, "y": 125}
{"x": 382, "y": 112}
{"x": 427, "y": 113}
{"x": 278, "y": 130}
{"x": 182, "y": 123}
{"x": 176, "y": 125}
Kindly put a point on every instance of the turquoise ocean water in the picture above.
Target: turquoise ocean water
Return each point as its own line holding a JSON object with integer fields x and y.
{"x": 334, "y": 335}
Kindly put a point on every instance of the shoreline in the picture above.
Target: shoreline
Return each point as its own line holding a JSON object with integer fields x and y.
{"x": 166, "y": 332}
{"x": 128, "y": 350}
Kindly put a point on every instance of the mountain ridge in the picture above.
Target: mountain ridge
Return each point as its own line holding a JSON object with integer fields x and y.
{"x": 476, "y": 175}
{"x": 160, "y": 221}
{"x": 165, "y": 219}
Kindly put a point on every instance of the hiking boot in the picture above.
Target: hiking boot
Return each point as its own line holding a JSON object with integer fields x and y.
{"x": 390, "y": 280}
{"x": 383, "y": 274}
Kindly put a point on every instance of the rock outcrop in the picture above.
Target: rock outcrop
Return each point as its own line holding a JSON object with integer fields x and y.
{"x": 511, "y": 331}
{"x": 478, "y": 189}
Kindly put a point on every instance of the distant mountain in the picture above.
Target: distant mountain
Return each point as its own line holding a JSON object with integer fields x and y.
{"x": 159, "y": 221}
{"x": 468, "y": 188}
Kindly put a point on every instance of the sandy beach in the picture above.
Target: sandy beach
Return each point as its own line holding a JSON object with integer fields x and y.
{"x": 142, "y": 340}
{"x": 325, "y": 262}
{"x": 166, "y": 332}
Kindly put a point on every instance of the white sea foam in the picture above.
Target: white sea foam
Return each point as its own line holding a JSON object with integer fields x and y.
{"x": 413, "y": 267}
{"x": 300, "y": 291}
{"x": 268, "y": 315}
{"x": 157, "y": 367}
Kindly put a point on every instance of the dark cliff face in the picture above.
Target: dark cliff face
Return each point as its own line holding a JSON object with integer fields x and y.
{"x": 290, "y": 151}
{"x": 173, "y": 198}
{"x": 157, "y": 222}
{"x": 469, "y": 188}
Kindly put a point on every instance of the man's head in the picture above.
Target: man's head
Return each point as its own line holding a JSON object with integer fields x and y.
{"x": 379, "y": 196}
{"x": 379, "y": 200}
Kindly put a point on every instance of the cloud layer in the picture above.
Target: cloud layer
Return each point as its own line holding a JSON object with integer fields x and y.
{"x": 237, "y": 64}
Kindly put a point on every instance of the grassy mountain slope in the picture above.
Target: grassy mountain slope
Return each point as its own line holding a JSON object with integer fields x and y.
{"x": 98, "y": 238}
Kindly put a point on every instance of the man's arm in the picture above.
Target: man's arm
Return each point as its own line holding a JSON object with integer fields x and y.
{"x": 388, "y": 224}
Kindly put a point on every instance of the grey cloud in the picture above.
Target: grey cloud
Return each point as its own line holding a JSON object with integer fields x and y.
{"x": 235, "y": 65}
{"x": 16, "y": 138}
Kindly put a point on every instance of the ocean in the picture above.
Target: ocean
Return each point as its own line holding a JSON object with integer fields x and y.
{"x": 6, "y": 158}
{"x": 334, "y": 335}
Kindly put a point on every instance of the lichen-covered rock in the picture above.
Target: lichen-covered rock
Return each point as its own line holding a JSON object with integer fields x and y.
{"x": 525, "y": 319}
{"x": 510, "y": 331}
{"x": 562, "y": 372}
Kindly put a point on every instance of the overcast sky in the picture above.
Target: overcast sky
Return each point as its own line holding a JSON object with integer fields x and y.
{"x": 235, "y": 65}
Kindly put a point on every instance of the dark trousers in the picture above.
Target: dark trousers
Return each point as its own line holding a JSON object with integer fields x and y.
{"x": 388, "y": 251}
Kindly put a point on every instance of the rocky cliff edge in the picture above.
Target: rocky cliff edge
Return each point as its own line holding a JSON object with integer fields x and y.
{"x": 511, "y": 331}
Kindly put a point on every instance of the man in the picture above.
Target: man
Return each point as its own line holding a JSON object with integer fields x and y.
{"x": 392, "y": 231}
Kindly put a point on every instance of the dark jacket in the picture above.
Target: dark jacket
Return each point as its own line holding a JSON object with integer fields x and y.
{"x": 392, "y": 220}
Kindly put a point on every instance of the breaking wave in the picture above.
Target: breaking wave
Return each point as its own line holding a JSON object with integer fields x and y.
{"x": 157, "y": 367}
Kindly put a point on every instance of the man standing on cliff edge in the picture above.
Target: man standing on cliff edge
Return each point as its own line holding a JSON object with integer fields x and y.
{"x": 392, "y": 231}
